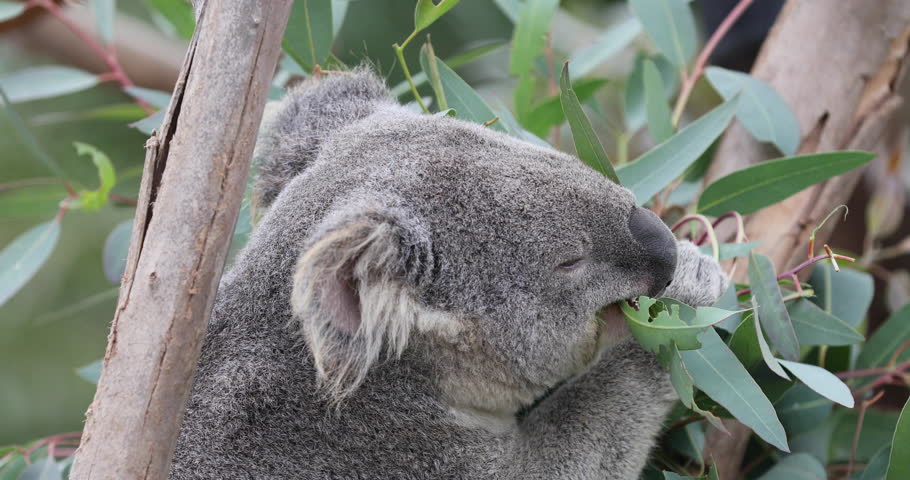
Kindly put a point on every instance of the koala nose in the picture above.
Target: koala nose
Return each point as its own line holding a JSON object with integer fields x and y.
{"x": 659, "y": 247}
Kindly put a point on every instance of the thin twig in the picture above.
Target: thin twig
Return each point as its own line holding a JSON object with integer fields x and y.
{"x": 859, "y": 428}
{"x": 801, "y": 266}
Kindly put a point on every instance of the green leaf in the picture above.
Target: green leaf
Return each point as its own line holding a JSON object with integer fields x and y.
{"x": 419, "y": 78}
{"x": 814, "y": 326}
{"x": 467, "y": 102}
{"x": 21, "y": 259}
{"x": 670, "y": 25}
{"x": 45, "y": 82}
{"x": 800, "y": 409}
{"x": 771, "y": 311}
{"x": 43, "y": 469}
{"x": 684, "y": 385}
{"x": 822, "y": 381}
{"x": 846, "y": 294}
{"x": 689, "y": 441}
{"x": 529, "y": 35}
{"x": 95, "y": 199}
{"x": 634, "y": 94}
{"x": 886, "y": 340}
{"x": 104, "y": 12}
{"x": 667, "y": 326}
{"x": 116, "y": 248}
{"x": 587, "y": 145}
{"x": 878, "y": 431}
{"x": 548, "y": 113}
{"x": 664, "y": 163}
{"x": 607, "y": 44}
{"x": 717, "y": 372}
{"x": 753, "y": 188}
{"x": 14, "y": 467}
{"x": 799, "y": 466}
{"x": 761, "y": 110}
{"x": 425, "y": 13}
{"x": 768, "y": 357}
{"x": 899, "y": 466}
{"x": 729, "y": 301}
{"x": 178, "y": 13}
{"x": 308, "y": 37}
{"x": 877, "y": 468}
{"x": 155, "y": 98}
{"x": 38, "y": 200}
{"x": 660, "y": 123}
{"x": 727, "y": 251}
{"x": 151, "y": 123}
{"x": 339, "y": 12}
{"x": 431, "y": 70}
{"x": 91, "y": 372}
{"x": 10, "y": 10}
{"x": 744, "y": 342}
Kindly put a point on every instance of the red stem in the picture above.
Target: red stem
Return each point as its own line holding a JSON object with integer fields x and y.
{"x": 690, "y": 80}
{"x": 108, "y": 55}
{"x": 868, "y": 372}
{"x": 798, "y": 268}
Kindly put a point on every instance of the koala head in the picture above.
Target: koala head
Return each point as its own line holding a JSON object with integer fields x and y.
{"x": 488, "y": 257}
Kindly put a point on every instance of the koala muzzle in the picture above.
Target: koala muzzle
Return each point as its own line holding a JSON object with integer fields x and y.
{"x": 658, "y": 245}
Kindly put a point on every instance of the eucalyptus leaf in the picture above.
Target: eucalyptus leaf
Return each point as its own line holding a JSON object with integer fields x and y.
{"x": 753, "y": 188}
{"x": 529, "y": 35}
{"x": 666, "y": 162}
{"x": 768, "y": 357}
{"x": 21, "y": 259}
{"x": 467, "y": 102}
{"x": 39, "y": 200}
{"x": 473, "y": 53}
{"x": 155, "y": 98}
{"x": 339, "y": 12}
{"x": 770, "y": 308}
{"x": 684, "y": 385}
{"x": 35, "y": 83}
{"x": 10, "y": 10}
{"x": 151, "y": 123}
{"x": 114, "y": 253}
{"x": 744, "y": 342}
{"x": 91, "y": 372}
{"x": 671, "y": 25}
{"x": 717, "y": 372}
{"x": 799, "y": 466}
{"x": 308, "y": 36}
{"x": 95, "y": 199}
{"x": 667, "y": 326}
{"x": 727, "y": 251}
{"x": 431, "y": 70}
{"x": 877, "y": 468}
{"x": 426, "y": 12}
{"x": 660, "y": 123}
{"x": 105, "y": 11}
{"x": 800, "y": 409}
{"x": 886, "y": 340}
{"x": 846, "y": 294}
{"x": 548, "y": 113}
{"x": 822, "y": 381}
{"x": 43, "y": 469}
{"x": 607, "y": 44}
{"x": 899, "y": 465}
{"x": 761, "y": 110}
{"x": 814, "y": 326}
{"x": 178, "y": 13}
{"x": 587, "y": 145}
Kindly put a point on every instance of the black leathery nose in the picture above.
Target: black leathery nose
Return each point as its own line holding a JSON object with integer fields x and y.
{"x": 658, "y": 245}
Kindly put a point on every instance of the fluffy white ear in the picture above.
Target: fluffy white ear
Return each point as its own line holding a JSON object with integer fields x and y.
{"x": 350, "y": 295}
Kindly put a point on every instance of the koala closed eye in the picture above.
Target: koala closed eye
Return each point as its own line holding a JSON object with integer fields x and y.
{"x": 572, "y": 265}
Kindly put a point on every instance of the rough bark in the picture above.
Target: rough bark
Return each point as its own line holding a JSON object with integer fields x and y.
{"x": 192, "y": 185}
{"x": 838, "y": 68}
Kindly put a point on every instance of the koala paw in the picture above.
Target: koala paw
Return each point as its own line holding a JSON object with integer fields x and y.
{"x": 699, "y": 281}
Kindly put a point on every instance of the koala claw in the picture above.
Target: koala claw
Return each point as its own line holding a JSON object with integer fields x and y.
{"x": 699, "y": 281}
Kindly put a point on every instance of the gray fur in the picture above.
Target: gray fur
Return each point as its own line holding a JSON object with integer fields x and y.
{"x": 402, "y": 300}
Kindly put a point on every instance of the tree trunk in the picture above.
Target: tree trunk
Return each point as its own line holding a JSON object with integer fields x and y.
{"x": 192, "y": 185}
{"x": 837, "y": 66}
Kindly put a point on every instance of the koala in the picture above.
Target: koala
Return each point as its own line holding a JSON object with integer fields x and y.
{"x": 427, "y": 298}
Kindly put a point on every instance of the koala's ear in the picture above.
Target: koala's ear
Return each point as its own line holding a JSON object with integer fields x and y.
{"x": 352, "y": 293}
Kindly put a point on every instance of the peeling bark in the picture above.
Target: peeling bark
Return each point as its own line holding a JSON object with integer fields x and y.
{"x": 192, "y": 185}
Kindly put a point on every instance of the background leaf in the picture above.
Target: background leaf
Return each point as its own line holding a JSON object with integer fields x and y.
{"x": 899, "y": 465}
{"x": 877, "y": 468}
{"x": 45, "y": 82}
{"x": 664, "y": 163}
{"x": 155, "y": 98}
{"x": 727, "y": 251}
{"x": 469, "y": 105}
{"x": 670, "y": 24}
{"x": 718, "y": 373}
{"x": 10, "y": 10}
{"x": 529, "y": 35}
{"x": 801, "y": 409}
{"x": 308, "y": 37}
{"x": 660, "y": 123}
{"x": 799, "y": 466}
{"x": 587, "y": 145}
{"x": 886, "y": 340}
{"x": 178, "y": 13}
{"x": 846, "y": 294}
{"x": 609, "y": 43}
{"x": 814, "y": 326}
{"x": 91, "y": 372}
{"x": 771, "y": 311}
{"x": 116, "y": 248}
{"x": 761, "y": 110}
{"x": 548, "y": 113}
{"x": 767, "y": 183}
{"x": 425, "y": 13}
{"x": 21, "y": 259}
{"x": 822, "y": 381}
{"x": 105, "y": 11}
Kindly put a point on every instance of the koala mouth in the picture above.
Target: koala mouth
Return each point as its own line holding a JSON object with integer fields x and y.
{"x": 633, "y": 302}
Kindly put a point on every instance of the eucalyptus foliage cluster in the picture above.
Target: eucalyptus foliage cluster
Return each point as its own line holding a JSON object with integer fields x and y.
{"x": 784, "y": 357}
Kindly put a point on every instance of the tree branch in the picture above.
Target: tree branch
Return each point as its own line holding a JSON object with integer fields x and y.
{"x": 192, "y": 185}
